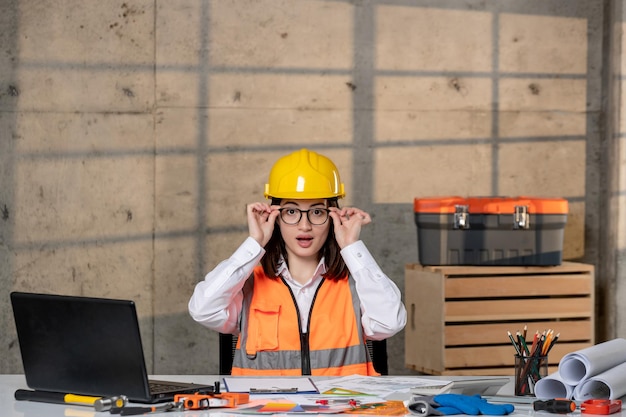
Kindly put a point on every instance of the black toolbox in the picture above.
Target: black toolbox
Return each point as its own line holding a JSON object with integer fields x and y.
{"x": 490, "y": 230}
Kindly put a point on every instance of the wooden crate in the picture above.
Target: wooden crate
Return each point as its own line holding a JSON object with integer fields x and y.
{"x": 458, "y": 316}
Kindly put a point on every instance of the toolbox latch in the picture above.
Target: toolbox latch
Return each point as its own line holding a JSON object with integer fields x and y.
{"x": 521, "y": 218}
{"x": 461, "y": 217}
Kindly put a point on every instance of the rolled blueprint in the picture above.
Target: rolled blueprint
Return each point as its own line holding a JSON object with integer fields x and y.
{"x": 552, "y": 386}
{"x": 582, "y": 364}
{"x": 610, "y": 384}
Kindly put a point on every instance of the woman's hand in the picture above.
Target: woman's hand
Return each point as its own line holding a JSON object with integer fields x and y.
{"x": 261, "y": 220}
{"x": 347, "y": 224}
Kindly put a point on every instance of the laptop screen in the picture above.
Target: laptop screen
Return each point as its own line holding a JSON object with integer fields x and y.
{"x": 80, "y": 345}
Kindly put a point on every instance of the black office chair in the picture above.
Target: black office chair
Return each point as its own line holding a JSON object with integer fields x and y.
{"x": 228, "y": 344}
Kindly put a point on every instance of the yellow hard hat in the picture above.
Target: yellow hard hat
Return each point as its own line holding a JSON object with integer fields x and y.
{"x": 304, "y": 174}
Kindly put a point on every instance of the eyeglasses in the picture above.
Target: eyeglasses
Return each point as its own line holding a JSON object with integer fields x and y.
{"x": 292, "y": 215}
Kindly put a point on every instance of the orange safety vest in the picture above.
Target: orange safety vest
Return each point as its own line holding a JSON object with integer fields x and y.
{"x": 272, "y": 343}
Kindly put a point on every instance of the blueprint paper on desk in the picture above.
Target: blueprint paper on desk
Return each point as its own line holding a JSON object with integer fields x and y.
{"x": 466, "y": 386}
{"x": 381, "y": 386}
{"x": 399, "y": 387}
{"x": 270, "y": 385}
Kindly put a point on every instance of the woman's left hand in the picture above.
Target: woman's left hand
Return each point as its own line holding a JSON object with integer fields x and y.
{"x": 347, "y": 224}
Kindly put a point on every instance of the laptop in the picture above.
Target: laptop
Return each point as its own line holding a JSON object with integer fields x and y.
{"x": 87, "y": 346}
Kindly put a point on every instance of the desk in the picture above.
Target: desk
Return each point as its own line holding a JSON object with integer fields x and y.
{"x": 11, "y": 408}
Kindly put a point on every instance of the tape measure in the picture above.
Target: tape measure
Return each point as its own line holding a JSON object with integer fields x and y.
{"x": 601, "y": 406}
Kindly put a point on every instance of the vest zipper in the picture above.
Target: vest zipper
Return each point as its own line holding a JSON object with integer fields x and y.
{"x": 305, "y": 350}
{"x": 308, "y": 349}
{"x": 305, "y": 360}
{"x": 306, "y": 353}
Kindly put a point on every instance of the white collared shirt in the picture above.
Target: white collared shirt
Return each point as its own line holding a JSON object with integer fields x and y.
{"x": 217, "y": 300}
{"x": 303, "y": 293}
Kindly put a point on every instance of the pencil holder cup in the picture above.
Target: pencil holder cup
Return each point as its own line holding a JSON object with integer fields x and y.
{"x": 529, "y": 370}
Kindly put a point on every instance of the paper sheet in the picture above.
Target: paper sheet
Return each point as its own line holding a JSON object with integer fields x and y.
{"x": 553, "y": 386}
{"x": 580, "y": 365}
{"x": 303, "y": 404}
{"x": 271, "y": 384}
{"x": 381, "y": 386}
{"x": 286, "y": 406}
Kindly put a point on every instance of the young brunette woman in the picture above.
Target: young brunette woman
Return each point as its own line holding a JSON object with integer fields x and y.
{"x": 302, "y": 292}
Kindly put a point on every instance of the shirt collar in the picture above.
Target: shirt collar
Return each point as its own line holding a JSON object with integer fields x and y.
{"x": 283, "y": 271}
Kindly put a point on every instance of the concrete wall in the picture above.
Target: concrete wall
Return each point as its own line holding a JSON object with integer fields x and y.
{"x": 133, "y": 133}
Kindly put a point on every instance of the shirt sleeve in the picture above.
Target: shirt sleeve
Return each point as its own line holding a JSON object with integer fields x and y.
{"x": 382, "y": 312}
{"x": 216, "y": 301}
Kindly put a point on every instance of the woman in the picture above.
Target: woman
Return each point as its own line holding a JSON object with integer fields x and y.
{"x": 317, "y": 294}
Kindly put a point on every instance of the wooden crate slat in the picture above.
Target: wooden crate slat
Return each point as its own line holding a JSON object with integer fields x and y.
{"x": 518, "y": 286}
{"x": 496, "y": 332}
{"x": 514, "y": 309}
{"x": 489, "y": 371}
{"x": 493, "y": 356}
{"x": 500, "y": 371}
{"x": 565, "y": 267}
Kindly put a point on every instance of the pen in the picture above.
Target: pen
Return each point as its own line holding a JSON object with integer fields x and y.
{"x": 133, "y": 411}
{"x": 54, "y": 397}
{"x": 522, "y": 343}
{"x": 273, "y": 390}
{"x": 534, "y": 345}
{"x": 514, "y": 344}
{"x": 546, "y": 344}
{"x": 554, "y": 339}
{"x": 328, "y": 401}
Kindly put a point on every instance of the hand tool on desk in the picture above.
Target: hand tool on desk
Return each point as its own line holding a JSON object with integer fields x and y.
{"x": 203, "y": 401}
{"x": 54, "y": 397}
{"x": 557, "y": 405}
{"x": 111, "y": 403}
{"x": 99, "y": 403}
{"x": 134, "y": 411}
{"x": 564, "y": 406}
{"x": 601, "y": 406}
{"x": 185, "y": 402}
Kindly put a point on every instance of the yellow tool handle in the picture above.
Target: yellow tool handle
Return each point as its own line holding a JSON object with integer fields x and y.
{"x": 80, "y": 399}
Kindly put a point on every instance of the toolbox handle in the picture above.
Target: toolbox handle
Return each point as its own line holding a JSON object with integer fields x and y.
{"x": 521, "y": 218}
{"x": 461, "y": 217}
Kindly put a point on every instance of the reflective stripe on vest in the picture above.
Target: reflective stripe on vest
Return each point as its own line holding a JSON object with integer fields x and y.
{"x": 269, "y": 343}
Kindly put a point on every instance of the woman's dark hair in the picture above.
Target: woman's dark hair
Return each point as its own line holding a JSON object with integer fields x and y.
{"x": 335, "y": 266}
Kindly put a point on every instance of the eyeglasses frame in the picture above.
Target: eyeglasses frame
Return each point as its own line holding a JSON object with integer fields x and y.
{"x": 307, "y": 215}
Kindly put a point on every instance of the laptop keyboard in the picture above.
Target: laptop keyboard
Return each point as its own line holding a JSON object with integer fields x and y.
{"x": 156, "y": 387}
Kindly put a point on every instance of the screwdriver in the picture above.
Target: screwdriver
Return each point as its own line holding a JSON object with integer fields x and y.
{"x": 559, "y": 406}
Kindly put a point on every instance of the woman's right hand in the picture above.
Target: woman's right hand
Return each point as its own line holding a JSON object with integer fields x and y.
{"x": 261, "y": 220}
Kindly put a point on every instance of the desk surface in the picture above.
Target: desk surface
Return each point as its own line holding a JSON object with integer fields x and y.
{"x": 9, "y": 407}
